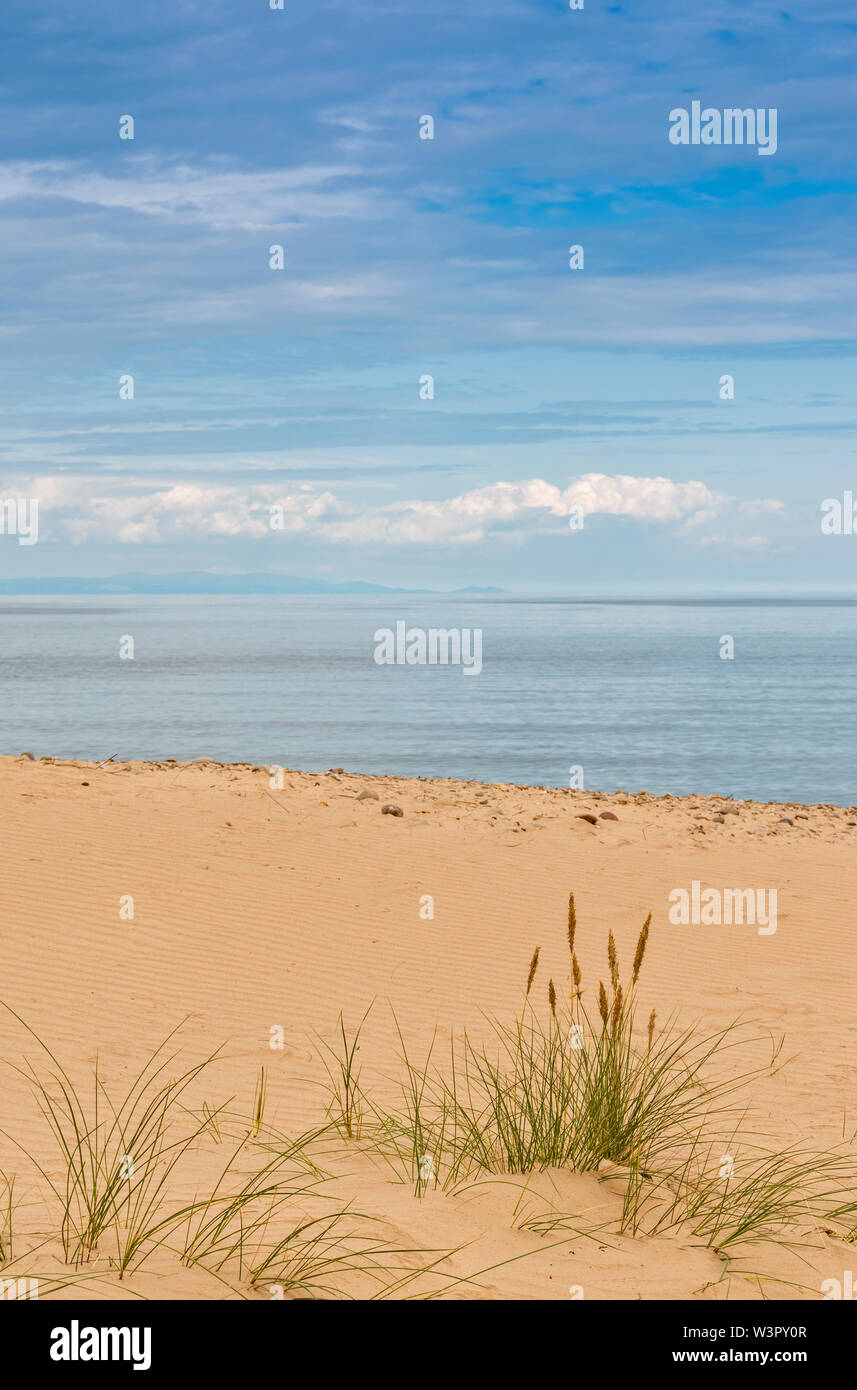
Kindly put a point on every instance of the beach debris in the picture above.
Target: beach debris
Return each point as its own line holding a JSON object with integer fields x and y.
{"x": 388, "y": 809}
{"x": 368, "y": 796}
{"x": 590, "y": 820}
{"x": 28, "y": 756}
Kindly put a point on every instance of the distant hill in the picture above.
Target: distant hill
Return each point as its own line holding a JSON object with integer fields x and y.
{"x": 200, "y": 582}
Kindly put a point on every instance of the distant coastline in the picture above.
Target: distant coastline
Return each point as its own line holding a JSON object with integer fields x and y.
{"x": 191, "y": 583}
{"x": 202, "y": 582}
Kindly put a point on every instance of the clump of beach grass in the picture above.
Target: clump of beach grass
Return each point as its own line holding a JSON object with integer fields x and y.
{"x": 346, "y": 1106}
{"x": 116, "y": 1154}
{"x": 646, "y": 1102}
{"x": 565, "y": 1090}
{"x": 265, "y": 1219}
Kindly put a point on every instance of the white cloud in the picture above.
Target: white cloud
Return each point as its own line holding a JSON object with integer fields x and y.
{"x": 221, "y": 197}
{"x": 132, "y": 511}
{"x": 132, "y": 515}
{"x": 471, "y": 515}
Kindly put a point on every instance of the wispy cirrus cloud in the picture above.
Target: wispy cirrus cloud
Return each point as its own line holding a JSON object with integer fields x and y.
{"x": 406, "y": 257}
{"x": 476, "y": 290}
{"x": 212, "y": 192}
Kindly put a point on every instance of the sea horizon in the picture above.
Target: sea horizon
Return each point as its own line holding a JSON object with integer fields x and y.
{"x": 602, "y": 694}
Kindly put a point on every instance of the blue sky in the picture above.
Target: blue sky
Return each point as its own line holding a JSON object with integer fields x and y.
{"x": 299, "y": 388}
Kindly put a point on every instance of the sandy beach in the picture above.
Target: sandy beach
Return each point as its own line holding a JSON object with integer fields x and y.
{"x": 263, "y": 912}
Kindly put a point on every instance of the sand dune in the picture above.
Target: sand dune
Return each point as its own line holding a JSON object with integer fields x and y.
{"x": 259, "y": 907}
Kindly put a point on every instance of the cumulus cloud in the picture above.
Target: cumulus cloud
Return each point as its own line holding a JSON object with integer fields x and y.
{"x": 133, "y": 512}
{"x": 472, "y": 515}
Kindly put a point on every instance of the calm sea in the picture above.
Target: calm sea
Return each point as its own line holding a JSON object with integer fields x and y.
{"x": 635, "y": 694}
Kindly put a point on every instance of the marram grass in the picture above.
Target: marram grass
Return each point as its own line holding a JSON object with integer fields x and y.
{"x": 115, "y": 1163}
{"x": 270, "y": 1223}
{"x": 661, "y": 1108}
{"x": 657, "y": 1104}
